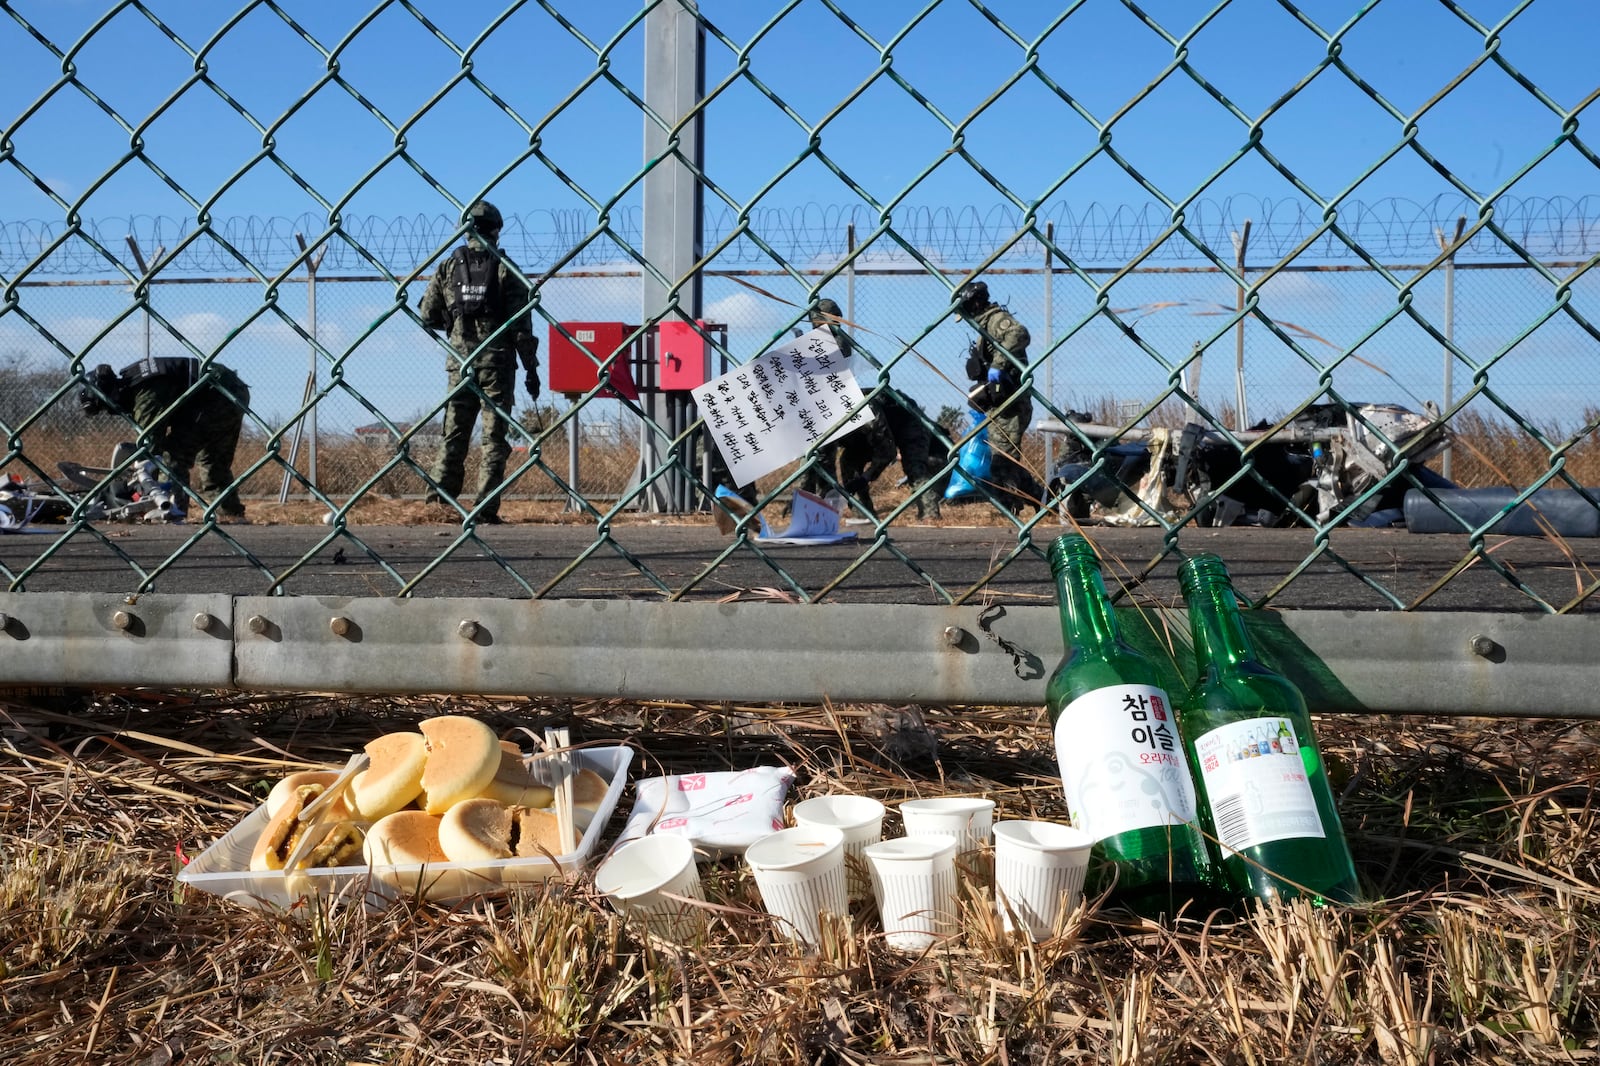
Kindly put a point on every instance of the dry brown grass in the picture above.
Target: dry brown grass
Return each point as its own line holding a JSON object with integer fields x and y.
{"x": 1487, "y": 453}
{"x": 1479, "y": 836}
{"x": 1495, "y": 453}
{"x": 345, "y": 466}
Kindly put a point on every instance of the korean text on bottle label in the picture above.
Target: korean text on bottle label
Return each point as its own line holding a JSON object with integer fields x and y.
{"x": 1121, "y": 759}
{"x": 1256, "y": 782}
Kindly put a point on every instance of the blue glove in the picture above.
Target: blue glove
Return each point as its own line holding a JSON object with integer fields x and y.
{"x": 994, "y": 376}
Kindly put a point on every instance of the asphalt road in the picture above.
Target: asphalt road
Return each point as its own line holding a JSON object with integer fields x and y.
{"x": 1359, "y": 570}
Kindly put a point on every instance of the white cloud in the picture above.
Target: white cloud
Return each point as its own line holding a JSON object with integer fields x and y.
{"x": 1301, "y": 288}
{"x": 204, "y": 329}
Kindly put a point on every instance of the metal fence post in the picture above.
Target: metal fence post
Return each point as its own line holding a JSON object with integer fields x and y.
{"x": 310, "y": 391}
{"x": 1449, "y": 326}
{"x": 850, "y": 271}
{"x": 1241, "y": 241}
{"x": 144, "y": 270}
{"x": 1049, "y": 338}
{"x": 574, "y": 433}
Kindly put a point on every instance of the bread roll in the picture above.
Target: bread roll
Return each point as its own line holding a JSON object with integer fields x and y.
{"x": 285, "y": 787}
{"x": 463, "y": 757}
{"x": 404, "y": 837}
{"x": 483, "y": 830}
{"x": 514, "y": 785}
{"x": 538, "y": 833}
{"x": 393, "y": 777}
{"x": 337, "y": 842}
{"x": 477, "y": 830}
{"x": 588, "y": 791}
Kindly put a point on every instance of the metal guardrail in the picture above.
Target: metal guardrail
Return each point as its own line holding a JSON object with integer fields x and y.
{"x": 1393, "y": 663}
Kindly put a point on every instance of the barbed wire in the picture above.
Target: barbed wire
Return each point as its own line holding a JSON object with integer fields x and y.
{"x": 1091, "y": 235}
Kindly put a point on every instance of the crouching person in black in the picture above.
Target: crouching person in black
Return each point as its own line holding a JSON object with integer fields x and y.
{"x": 192, "y": 417}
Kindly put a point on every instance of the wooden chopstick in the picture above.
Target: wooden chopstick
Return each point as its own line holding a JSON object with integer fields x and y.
{"x": 314, "y": 809}
{"x": 557, "y": 744}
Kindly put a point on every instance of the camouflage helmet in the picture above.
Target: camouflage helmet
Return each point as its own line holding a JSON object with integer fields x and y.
{"x": 485, "y": 217}
{"x": 972, "y": 297}
{"x": 825, "y": 312}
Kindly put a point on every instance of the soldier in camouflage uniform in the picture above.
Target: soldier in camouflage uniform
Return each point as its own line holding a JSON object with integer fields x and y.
{"x": 200, "y": 433}
{"x": 995, "y": 363}
{"x": 479, "y": 300}
{"x": 856, "y": 459}
{"x": 914, "y": 441}
{"x": 827, "y": 314}
{"x": 864, "y": 454}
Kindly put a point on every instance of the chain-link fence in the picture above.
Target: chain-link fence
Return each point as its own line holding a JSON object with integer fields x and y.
{"x": 397, "y": 368}
{"x": 1336, "y": 359}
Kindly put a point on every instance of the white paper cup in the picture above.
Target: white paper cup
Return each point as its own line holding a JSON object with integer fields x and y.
{"x": 1038, "y": 873}
{"x": 860, "y": 819}
{"x": 641, "y": 876}
{"x": 914, "y": 879}
{"x": 800, "y": 873}
{"x": 969, "y": 822}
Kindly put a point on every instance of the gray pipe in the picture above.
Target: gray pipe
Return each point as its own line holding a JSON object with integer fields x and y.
{"x": 1562, "y": 511}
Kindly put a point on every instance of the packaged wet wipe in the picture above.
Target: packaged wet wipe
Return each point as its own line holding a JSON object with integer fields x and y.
{"x": 721, "y": 812}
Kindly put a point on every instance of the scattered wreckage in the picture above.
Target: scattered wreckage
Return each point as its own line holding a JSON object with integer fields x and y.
{"x": 91, "y": 493}
{"x": 1317, "y": 467}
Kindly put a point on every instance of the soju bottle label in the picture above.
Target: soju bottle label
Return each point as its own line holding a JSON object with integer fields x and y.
{"x": 1121, "y": 760}
{"x": 1256, "y": 783}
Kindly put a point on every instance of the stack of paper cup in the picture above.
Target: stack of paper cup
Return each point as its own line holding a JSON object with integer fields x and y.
{"x": 641, "y": 879}
{"x": 967, "y": 821}
{"x": 1038, "y": 873}
{"x": 800, "y": 873}
{"x": 860, "y": 819}
{"x": 914, "y": 879}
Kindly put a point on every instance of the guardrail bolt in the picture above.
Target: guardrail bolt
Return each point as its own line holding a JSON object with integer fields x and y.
{"x": 257, "y": 624}
{"x": 1482, "y": 646}
{"x": 340, "y": 625}
{"x": 954, "y": 635}
{"x": 122, "y": 620}
{"x": 203, "y": 621}
{"x": 469, "y": 629}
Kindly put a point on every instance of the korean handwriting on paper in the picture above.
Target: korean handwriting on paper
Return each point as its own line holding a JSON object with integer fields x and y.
{"x": 770, "y": 411}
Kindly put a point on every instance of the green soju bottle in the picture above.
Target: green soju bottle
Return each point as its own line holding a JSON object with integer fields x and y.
{"x": 1123, "y": 766}
{"x": 1268, "y": 805}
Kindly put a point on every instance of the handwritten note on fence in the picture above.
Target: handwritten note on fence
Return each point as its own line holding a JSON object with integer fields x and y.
{"x": 764, "y": 414}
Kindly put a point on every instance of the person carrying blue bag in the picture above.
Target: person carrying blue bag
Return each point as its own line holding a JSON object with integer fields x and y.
{"x": 994, "y": 365}
{"x": 974, "y": 463}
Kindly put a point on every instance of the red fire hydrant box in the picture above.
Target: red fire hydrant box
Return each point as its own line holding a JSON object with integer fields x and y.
{"x": 573, "y": 364}
{"x": 683, "y": 355}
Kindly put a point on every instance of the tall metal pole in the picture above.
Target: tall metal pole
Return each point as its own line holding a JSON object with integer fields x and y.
{"x": 312, "y": 263}
{"x": 1049, "y": 338}
{"x": 310, "y": 391}
{"x": 1449, "y": 326}
{"x": 1240, "y": 242}
{"x": 674, "y": 82}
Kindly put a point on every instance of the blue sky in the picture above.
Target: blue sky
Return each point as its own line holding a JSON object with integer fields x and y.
{"x": 1033, "y": 145}
{"x": 1407, "y": 50}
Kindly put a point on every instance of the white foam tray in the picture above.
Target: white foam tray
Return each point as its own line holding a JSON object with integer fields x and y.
{"x": 224, "y": 868}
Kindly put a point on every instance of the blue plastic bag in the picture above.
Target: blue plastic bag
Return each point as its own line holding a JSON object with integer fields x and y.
{"x": 974, "y": 464}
